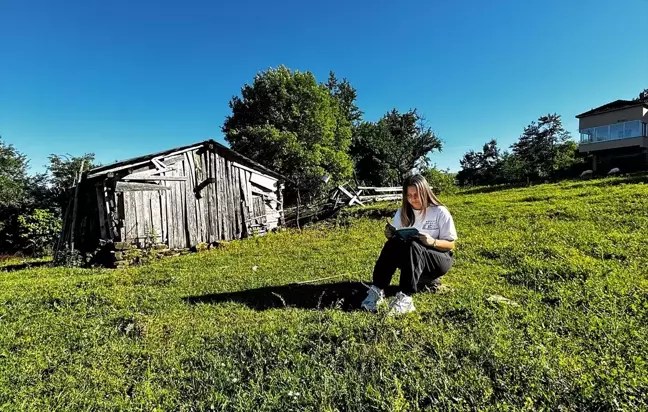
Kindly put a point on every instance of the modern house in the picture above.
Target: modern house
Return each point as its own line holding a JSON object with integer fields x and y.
{"x": 616, "y": 134}
{"x": 197, "y": 194}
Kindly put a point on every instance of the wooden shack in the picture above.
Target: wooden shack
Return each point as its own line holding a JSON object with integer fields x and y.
{"x": 183, "y": 197}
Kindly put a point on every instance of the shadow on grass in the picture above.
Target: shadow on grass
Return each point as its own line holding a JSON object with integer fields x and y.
{"x": 345, "y": 296}
{"x": 23, "y": 266}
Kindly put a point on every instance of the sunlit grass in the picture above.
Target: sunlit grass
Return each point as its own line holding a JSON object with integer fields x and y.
{"x": 221, "y": 329}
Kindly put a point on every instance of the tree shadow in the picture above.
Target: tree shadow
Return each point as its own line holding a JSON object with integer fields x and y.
{"x": 345, "y": 296}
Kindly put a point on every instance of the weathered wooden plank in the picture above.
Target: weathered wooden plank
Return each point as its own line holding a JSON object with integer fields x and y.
{"x": 218, "y": 194}
{"x": 171, "y": 161}
{"x": 121, "y": 215}
{"x": 173, "y": 213}
{"x": 263, "y": 181}
{"x": 241, "y": 228}
{"x": 168, "y": 194}
{"x": 243, "y": 200}
{"x": 258, "y": 191}
{"x": 381, "y": 189}
{"x": 184, "y": 233}
{"x": 130, "y": 217}
{"x": 235, "y": 207}
{"x": 143, "y": 216}
{"x": 159, "y": 165}
{"x": 135, "y": 187}
{"x": 164, "y": 226}
{"x": 194, "y": 174}
{"x": 249, "y": 196}
{"x": 146, "y": 171}
{"x": 75, "y": 205}
{"x": 156, "y": 216}
{"x": 101, "y": 210}
{"x": 230, "y": 199}
{"x": 211, "y": 214}
{"x": 354, "y": 198}
{"x": 190, "y": 206}
{"x": 112, "y": 213}
{"x": 178, "y": 219}
{"x": 155, "y": 178}
{"x": 248, "y": 187}
{"x": 222, "y": 199}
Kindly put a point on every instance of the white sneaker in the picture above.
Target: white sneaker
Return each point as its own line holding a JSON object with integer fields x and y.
{"x": 374, "y": 298}
{"x": 401, "y": 304}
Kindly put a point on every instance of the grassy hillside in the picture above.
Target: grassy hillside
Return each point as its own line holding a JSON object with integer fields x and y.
{"x": 226, "y": 330}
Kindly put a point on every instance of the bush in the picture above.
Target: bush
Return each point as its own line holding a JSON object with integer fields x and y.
{"x": 442, "y": 181}
{"x": 38, "y": 231}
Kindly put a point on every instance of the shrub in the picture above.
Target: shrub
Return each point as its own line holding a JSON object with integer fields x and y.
{"x": 442, "y": 181}
{"x": 38, "y": 231}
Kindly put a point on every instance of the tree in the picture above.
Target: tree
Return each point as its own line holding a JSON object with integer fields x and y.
{"x": 366, "y": 154}
{"x": 288, "y": 122}
{"x": 63, "y": 169}
{"x": 510, "y": 169}
{"x": 346, "y": 97}
{"x": 13, "y": 175}
{"x": 538, "y": 147}
{"x": 481, "y": 168}
{"x": 389, "y": 149}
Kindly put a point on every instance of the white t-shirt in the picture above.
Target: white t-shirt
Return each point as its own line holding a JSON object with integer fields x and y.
{"x": 436, "y": 222}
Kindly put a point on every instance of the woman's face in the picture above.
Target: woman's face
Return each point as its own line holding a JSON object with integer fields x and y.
{"x": 413, "y": 198}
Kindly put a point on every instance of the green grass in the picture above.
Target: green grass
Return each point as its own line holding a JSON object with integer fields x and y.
{"x": 11, "y": 262}
{"x": 210, "y": 330}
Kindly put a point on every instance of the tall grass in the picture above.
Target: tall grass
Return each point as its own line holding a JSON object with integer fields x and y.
{"x": 231, "y": 330}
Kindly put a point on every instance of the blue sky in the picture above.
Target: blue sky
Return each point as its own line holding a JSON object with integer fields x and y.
{"x": 123, "y": 78}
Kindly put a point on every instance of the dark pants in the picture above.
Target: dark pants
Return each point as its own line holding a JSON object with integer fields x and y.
{"x": 414, "y": 260}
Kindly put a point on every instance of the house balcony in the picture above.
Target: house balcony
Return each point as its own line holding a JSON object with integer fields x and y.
{"x": 617, "y": 135}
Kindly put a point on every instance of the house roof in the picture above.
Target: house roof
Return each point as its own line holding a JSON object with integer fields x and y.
{"x": 615, "y": 105}
{"x": 105, "y": 169}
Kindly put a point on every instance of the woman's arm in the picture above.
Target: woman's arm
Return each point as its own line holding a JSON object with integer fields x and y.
{"x": 444, "y": 244}
{"x": 436, "y": 243}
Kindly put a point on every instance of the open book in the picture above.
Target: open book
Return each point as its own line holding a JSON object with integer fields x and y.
{"x": 404, "y": 233}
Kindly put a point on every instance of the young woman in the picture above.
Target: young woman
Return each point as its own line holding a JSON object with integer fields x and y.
{"x": 428, "y": 254}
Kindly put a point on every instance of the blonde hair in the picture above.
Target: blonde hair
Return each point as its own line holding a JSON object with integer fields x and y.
{"x": 425, "y": 194}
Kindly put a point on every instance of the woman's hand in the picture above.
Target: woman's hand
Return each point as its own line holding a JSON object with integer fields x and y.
{"x": 426, "y": 239}
{"x": 389, "y": 231}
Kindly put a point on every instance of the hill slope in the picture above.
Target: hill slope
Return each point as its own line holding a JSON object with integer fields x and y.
{"x": 224, "y": 329}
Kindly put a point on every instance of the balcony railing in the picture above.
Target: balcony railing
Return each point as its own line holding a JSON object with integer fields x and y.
{"x": 623, "y": 130}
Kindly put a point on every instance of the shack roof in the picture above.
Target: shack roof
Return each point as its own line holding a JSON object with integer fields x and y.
{"x": 124, "y": 164}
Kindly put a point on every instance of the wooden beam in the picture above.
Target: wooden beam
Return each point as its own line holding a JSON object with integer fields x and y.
{"x": 381, "y": 189}
{"x": 131, "y": 187}
{"x": 263, "y": 181}
{"x": 354, "y": 198}
{"x": 156, "y": 178}
{"x": 137, "y": 162}
{"x": 146, "y": 173}
{"x": 263, "y": 193}
{"x": 101, "y": 209}
{"x": 159, "y": 165}
{"x": 203, "y": 184}
{"x": 76, "y": 204}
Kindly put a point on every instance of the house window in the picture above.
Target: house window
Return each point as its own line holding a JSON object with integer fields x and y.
{"x": 624, "y": 130}
{"x": 633, "y": 129}
{"x": 602, "y": 133}
{"x": 616, "y": 131}
{"x": 587, "y": 135}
